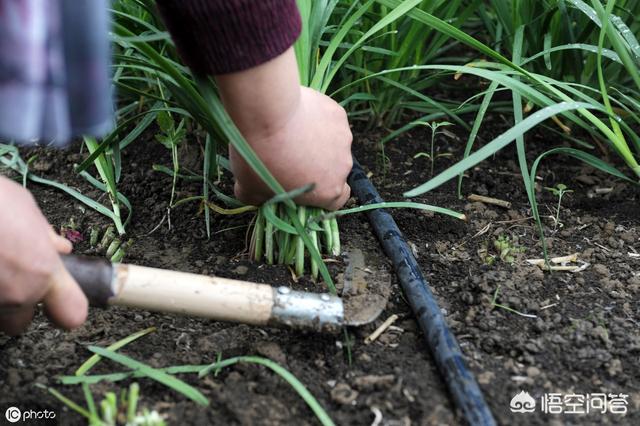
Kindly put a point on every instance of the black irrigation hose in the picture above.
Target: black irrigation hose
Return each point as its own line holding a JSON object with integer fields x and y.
{"x": 441, "y": 341}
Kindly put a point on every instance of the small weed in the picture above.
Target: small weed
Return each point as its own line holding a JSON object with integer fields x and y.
{"x": 559, "y": 191}
{"x": 71, "y": 232}
{"x": 505, "y": 249}
{"x": 435, "y": 126}
{"x": 383, "y": 160}
{"x": 171, "y": 136}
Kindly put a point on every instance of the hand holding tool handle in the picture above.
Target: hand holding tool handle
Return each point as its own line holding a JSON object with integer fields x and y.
{"x": 95, "y": 277}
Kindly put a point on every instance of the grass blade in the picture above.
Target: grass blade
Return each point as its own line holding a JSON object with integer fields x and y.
{"x": 390, "y": 205}
{"x": 496, "y": 145}
{"x": 586, "y": 158}
{"x": 94, "y": 359}
{"x": 69, "y": 403}
{"x": 484, "y": 106}
{"x": 153, "y": 373}
{"x": 304, "y": 393}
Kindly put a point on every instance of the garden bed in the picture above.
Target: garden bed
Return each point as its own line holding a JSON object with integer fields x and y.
{"x": 585, "y": 337}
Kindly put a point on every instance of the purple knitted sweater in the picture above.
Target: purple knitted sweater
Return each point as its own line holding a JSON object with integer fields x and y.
{"x": 224, "y": 36}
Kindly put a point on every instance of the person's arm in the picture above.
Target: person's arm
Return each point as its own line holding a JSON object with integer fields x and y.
{"x": 302, "y": 136}
{"x": 30, "y": 267}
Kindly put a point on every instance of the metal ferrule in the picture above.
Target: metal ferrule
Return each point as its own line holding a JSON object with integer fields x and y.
{"x": 320, "y": 312}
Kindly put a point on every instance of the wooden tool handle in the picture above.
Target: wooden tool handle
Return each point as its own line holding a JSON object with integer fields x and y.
{"x": 198, "y": 295}
{"x": 163, "y": 290}
{"x": 222, "y": 299}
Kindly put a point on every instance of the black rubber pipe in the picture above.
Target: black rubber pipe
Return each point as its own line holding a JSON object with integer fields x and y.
{"x": 446, "y": 351}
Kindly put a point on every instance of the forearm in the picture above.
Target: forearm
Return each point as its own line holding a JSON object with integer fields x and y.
{"x": 262, "y": 99}
{"x": 246, "y": 45}
{"x": 302, "y": 136}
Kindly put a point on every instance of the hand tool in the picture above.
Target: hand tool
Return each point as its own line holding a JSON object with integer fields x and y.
{"x": 365, "y": 294}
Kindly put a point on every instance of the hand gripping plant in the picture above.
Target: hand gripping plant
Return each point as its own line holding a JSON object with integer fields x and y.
{"x": 283, "y": 233}
{"x": 274, "y": 237}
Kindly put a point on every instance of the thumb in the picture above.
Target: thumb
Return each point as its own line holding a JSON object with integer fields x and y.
{"x": 65, "y": 303}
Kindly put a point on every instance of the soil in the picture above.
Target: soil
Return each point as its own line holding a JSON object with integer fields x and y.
{"x": 581, "y": 335}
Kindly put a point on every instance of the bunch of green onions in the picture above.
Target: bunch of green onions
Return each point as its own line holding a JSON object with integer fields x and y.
{"x": 275, "y": 239}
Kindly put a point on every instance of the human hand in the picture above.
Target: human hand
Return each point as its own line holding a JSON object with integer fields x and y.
{"x": 313, "y": 146}
{"x": 30, "y": 267}
{"x": 301, "y": 135}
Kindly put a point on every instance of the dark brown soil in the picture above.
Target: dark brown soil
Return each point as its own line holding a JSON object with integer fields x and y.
{"x": 584, "y": 339}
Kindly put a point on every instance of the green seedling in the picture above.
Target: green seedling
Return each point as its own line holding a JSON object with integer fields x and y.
{"x": 124, "y": 410}
{"x": 432, "y": 156}
{"x": 383, "y": 160}
{"x": 559, "y": 191}
{"x": 171, "y": 137}
{"x": 505, "y": 250}
{"x": 71, "y": 225}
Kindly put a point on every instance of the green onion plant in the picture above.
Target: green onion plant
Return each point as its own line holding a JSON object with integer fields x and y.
{"x": 590, "y": 108}
{"x": 149, "y": 59}
{"x": 333, "y": 31}
{"x": 10, "y": 159}
{"x": 321, "y": 63}
{"x": 403, "y": 42}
